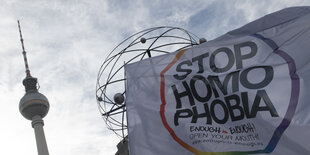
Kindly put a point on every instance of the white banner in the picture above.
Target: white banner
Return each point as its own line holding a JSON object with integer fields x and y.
{"x": 246, "y": 92}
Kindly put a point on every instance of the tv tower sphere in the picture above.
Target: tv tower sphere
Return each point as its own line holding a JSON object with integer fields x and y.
{"x": 33, "y": 103}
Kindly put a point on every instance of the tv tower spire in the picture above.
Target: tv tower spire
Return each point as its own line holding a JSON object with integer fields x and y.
{"x": 33, "y": 105}
{"x": 24, "y": 52}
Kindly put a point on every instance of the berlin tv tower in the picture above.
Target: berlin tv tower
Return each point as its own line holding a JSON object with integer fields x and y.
{"x": 34, "y": 105}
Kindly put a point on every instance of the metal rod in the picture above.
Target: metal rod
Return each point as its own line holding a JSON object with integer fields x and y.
{"x": 109, "y": 112}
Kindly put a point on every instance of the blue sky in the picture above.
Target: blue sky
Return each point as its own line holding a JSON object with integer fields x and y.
{"x": 67, "y": 41}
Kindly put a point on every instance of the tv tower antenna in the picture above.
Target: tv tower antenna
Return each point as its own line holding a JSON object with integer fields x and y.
{"x": 24, "y": 52}
{"x": 33, "y": 105}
